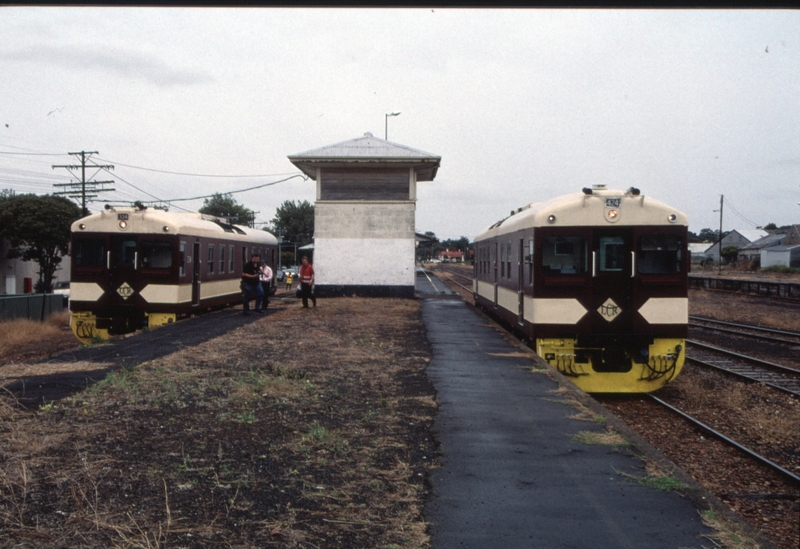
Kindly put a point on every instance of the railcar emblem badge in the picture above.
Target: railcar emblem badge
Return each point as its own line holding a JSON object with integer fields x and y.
{"x": 125, "y": 291}
{"x": 609, "y": 310}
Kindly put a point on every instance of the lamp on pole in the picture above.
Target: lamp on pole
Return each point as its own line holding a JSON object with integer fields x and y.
{"x": 386, "y": 119}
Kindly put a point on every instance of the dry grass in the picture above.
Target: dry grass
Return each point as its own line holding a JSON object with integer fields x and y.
{"x": 312, "y": 429}
{"x": 14, "y": 333}
{"x": 753, "y": 407}
{"x": 744, "y": 309}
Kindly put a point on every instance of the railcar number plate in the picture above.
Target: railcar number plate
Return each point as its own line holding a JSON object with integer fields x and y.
{"x": 613, "y": 202}
{"x": 122, "y": 217}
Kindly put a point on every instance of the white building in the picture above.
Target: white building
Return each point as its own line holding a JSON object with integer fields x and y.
{"x": 364, "y": 215}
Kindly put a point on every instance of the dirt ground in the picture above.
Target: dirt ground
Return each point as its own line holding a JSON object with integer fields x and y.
{"x": 308, "y": 428}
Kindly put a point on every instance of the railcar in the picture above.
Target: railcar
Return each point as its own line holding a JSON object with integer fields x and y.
{"x": 597, "y": 281}
{"x": 136, "y": 267}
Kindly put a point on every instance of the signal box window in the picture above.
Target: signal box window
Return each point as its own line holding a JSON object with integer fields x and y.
{"x": 126, "y": 252}
{"x": 612, "y": 254}
{"x": 564, "y": 255}
{"x": 89, "y": 252}
{"x": 156, "y": 255}
{"x": 659, "y": 254}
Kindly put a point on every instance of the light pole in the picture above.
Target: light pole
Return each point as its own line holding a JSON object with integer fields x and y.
{"x": 386, "y": 119}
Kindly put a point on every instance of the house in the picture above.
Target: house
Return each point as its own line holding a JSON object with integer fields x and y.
{"x": 364, "y": 215}
{"x": 450, "y": 256}
{"x": 752, "y": 251}
{"x": 19, "y": 277}
{"x": 738, "y": 238}
{"x": 786, "y": 253}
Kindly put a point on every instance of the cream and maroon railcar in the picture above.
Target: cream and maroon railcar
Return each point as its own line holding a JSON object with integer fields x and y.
{"x": 137, "y": 267}
{"x": 598, "y": 281}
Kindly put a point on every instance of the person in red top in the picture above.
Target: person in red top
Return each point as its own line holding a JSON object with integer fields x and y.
{"x": 306, "y": 282}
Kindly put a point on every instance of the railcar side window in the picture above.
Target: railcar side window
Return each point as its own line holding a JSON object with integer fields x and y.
{"x": 126, "y": 252}
{"x": 612, "y": 253}
{"x": 564, "y": 255}
{"x": 210, "y": 259}
{"x": 183, "y": 259}
{"x": 230, "y": 258}
{"x": 156, "y": 255}
{"x": 508, "y": 260}
{"x": 222, "y": 259}
{"x": 89, "y": 252}
{"x": 659, "y": 254}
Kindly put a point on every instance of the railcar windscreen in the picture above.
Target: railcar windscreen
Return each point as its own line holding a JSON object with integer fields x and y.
{"x": 659, "y": 254}
{"x": 89, "y": 252}
{"x": 612, "y": 253}
{"x": 126, "y": 252}
{"x": 156, "y": 255}
{"x": 564, "y": 255}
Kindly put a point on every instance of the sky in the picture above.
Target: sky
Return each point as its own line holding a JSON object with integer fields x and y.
{"x": 522, "y": 105}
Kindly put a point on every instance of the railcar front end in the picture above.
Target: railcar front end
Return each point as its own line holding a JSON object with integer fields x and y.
{"x": 135, "y": 268}
{"x": 597, "y": 281}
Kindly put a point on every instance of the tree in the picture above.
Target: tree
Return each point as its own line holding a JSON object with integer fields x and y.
{"x": 224, "y": 205}
{"x": 294, "y": 221}
{"x": 38, "y": 229}
{"x": 730, "y": 253}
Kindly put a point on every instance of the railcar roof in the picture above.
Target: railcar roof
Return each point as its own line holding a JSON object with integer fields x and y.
{"x": 588, "y": 209}
{"x": 151, "y": 221}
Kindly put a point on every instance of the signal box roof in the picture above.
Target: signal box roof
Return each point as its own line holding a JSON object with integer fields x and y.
{"x": 367, "y": 151}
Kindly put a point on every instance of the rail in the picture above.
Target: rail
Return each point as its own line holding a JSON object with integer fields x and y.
{"x": 789, "y": 291}
{"x": 755, "y": 455}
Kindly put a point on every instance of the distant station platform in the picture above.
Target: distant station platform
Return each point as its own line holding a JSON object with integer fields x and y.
{"x": 428, "y": 285}
{"x": 516, "y": 470}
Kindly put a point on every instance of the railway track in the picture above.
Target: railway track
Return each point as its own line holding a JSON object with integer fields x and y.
{"x": 775, "y": 375}
{"x": 763, "y": 460}
{"x": 746, "y": 331}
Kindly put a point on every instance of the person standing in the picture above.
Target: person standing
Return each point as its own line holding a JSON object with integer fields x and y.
{"x": 265, "y": 277}
{"x": 307, "y": 282}
{"x": 251, "y": 285}
{"x": 289, "y": 280}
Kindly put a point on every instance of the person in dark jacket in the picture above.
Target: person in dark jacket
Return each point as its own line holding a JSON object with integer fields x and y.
{"x": 251, "y": 285}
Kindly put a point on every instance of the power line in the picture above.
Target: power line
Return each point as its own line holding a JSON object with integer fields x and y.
{"x": 74, "y": 193}
{"x": 191, "y": 174}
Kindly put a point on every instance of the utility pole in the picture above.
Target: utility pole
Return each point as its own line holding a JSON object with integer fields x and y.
{"x": 79, "y": 189}
{"x": 719, "y": 265}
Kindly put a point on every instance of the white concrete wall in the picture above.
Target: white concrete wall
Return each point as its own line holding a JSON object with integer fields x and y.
{"x": 364, "y": 243}
{"x": 364, "y": 261}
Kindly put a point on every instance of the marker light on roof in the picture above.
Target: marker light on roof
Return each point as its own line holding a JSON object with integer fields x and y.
{"x": 551, "y": 218}
{"x": 672, "y": 218}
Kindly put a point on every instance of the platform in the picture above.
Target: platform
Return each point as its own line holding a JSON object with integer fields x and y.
{"x": 512, "y": 473}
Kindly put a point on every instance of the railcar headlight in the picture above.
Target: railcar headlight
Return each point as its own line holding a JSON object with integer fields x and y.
{"x": 166, "y": 229}
{"x": 612, "y": 214}
{"x": 551, "y": 218}
{"x": 123, "y": 225}
{"x": 82, "y": 226}
{"x": 672, "y": 218}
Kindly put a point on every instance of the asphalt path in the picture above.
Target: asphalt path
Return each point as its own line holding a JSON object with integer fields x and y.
{"x": 512, "y": 475}
{"x": 127, "y": 351}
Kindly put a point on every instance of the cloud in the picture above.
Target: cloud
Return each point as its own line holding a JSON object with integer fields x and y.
{"x": 125, "y": 63}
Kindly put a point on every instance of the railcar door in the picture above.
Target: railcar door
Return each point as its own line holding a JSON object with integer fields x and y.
{"x": 196, "y": 274}
{"x": 612, "y": 285}
{"x": 123, "y": 280}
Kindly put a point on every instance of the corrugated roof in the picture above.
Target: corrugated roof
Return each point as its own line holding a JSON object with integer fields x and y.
{"x": 765, "y": 242}
{"x": 367, "y": 146}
